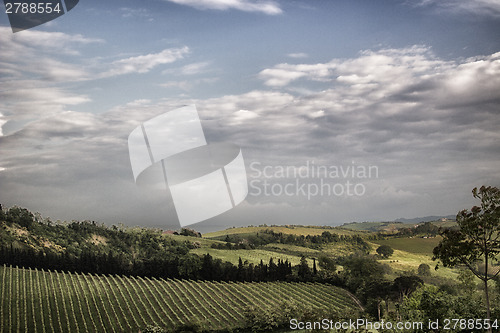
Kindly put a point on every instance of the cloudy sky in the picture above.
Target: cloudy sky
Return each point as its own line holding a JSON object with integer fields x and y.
{"x": 408, "y": 88}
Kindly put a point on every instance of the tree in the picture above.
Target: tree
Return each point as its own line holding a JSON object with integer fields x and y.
{"x": 21, "y": 216}
{"x": 303, "y": 271}
{"x": 430, "y": 303}
{"x": 378, "y": 291}
{"x": 407, "y": 284}
{"x": 385, "y": 251}
{"x": 189, "y": 232}
{"x": 466, "y": 278}
{"x": 476, "y": 241}
{"x": 424, "y": 270}
{"x": 327, "y": 263}
{"x": 358, "y": 270}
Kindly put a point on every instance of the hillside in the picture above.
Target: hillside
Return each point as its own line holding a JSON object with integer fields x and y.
{"x": 395, "y": 226}
{"x": 285, "y": 229}
{"x": 247, "y": 279}
{"x": 44, "y": 301}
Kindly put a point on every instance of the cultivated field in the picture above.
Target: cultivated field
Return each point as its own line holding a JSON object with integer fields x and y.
{"x": 412, "y": 245}
{"x": 44, "y": 301}
{"x": 292, "y": 230}
{"x": 252, "y": 256}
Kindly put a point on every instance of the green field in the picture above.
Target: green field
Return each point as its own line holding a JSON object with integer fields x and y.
{"x": 291, "y": 249}
{"x": 376, "y": 226}
{"x": 293, "y": 230}
{"x": 44, "y": 301}
{"x": 252, "y": 256}
{"x": 409, "y": 253}
{"x": 412, "y": 245}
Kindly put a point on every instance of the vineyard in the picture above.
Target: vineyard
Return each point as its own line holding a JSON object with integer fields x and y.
{"x": 44, "y": 301}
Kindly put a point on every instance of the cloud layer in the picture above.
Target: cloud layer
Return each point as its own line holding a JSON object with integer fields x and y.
{"x": 479, "y": 7}
{"x": 429, "y": 125}
{"x": 144, "y": 63}
{"x": 266, "y": 7}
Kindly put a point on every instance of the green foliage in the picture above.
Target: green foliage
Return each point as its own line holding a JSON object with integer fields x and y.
{"x": 426, "y": 228}
{"x": 39, "y": 301}
{"x": 476, "y": 240}
{"x": 407, "y": 284}
{"x": 20, "y": 216}
{"x": 359, "y": 270}
{"x": 268, "y": 236}
{"x": 304, "y": 272}
{"x": 327, "y": 263}
{"x": 189, "y": 232}
{"x": 428, "y": 303}
{"x": 385, "y": 251}
{"x": 467, "y": 281}
{"x": 478, "y": 236}
{"x": 424, "y": 270}
{"x": 275, "y": 318}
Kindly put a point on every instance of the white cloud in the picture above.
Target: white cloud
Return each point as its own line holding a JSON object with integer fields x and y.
{"x": 241, "y": 116}
{"x": 40, "y": 52}
{"x": 371, "y": 66}
{"x": 187, "y": 84}
{"x": 477, "y": 80}
{"x": 195, "y": 68}
{"x": 43, "y": 42}
{"x": 183, "y": 85}
{"x": 264, "y": 6}
{"x": 136, "y": 12}
{"x": 430, "y": 125}
{"x": 2, "y": 122}
{"x": 317, "y": 114}
{"x": 281, "y": 75}
{"x": 34, "y": 85}
{"x": 480, "y": 7}
{"x": 29, "y": 103}
{"x": 144, "y": 63}
{"x": 298, "y": 55}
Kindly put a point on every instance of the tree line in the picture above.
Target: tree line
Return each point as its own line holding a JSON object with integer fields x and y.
{"x": 267, "y": 236}
{"x": 87, "y": 247}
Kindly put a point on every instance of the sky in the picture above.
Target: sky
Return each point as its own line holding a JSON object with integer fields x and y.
{"x": 343, "y": 110}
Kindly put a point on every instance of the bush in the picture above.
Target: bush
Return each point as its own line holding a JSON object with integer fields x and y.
{"x": 21, "y": 216}
{"x": 424, "y": 270}
{"x": 385, "y": 251}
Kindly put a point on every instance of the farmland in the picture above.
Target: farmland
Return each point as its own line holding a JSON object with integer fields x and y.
{"x": 251, "y": 256}
{"x": 44, "y": 301}
{"x": 131, "y": 279}
{"x": 412, "y": 245}
{"x": 288, "y": 229}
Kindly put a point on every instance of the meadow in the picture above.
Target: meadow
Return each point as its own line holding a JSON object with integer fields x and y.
{"x": 252, "y": 256}
{"x": 286, "y": 229}
{"x": 412, "y": 245}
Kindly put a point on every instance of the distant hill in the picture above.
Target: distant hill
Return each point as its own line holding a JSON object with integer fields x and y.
{"x": 425, "y": 219}
{"x": 374, "y": 226}
{"x": 393, "y": 226}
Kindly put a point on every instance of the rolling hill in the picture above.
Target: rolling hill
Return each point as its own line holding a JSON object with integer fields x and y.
{"x": 47, "y": 301}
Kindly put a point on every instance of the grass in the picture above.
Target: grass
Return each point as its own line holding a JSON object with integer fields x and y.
{"x": 293, "y": 230}
{"x": 404, "y": 261}
{"x": 411, "y": 245}
{"x": 291, "y": 249}
{"x": 252, "y": 256}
